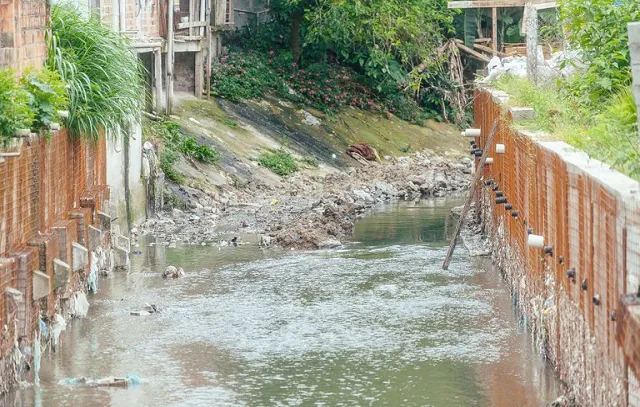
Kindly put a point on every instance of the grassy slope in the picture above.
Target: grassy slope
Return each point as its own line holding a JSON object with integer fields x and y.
{"x": 246, "y": 130}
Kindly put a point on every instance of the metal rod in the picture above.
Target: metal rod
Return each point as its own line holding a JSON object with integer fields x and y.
{"x": 472, "y": 191}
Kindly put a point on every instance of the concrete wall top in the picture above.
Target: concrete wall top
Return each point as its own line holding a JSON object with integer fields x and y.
{"x": 578, "y": 161}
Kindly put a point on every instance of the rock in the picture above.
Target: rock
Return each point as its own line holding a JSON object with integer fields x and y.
{"x": 176, "y": 213}
{"x": 173, "y": 272}
{"x": 329, "y": 244}
{"x": 440, "y": 181}
{"x": 265, "y": 241}
{"x": 360, "y": 195}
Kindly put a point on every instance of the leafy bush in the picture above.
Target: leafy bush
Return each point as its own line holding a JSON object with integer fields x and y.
{"x": 104, "y": 75}
{"x": 240, "y": 76}
{"x": 47, "y": 95}
{"x": 599, "y": 29}
{"x": 15, "y": 113}
{"x": 281, "y": 162}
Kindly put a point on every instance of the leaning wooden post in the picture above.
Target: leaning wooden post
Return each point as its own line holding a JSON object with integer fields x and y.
{"x": 494, "y": 31}
{"x": 472, "y": 192}
{"x": 531, "y": 23}
{"x": 634, "y": 48}
{"x": 170, "y": 60}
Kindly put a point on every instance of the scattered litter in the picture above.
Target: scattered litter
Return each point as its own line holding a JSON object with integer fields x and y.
{"x": 363, "y": 151}
{"x": 92, "y": 280}
{"x": 173, "y": 272}
{"x": 58, "y": 325}
{"x": 36, "y": 357}
{"x": 136, "y": 252}
{"x": 79, "y": 305}
{"x": 146, "y": 311}
{"x": 130, "y": 380}
{"x": 191, "y": 119}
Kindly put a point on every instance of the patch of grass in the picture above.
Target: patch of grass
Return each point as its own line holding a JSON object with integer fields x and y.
{"x": 609, "y": 134}
{"x": 310, "y": 161}
{"x": 405, "y": 149}
{"x": 173, "y": 137}
{"x": 280, "y": 161}
{"x": 172, "y": 201}
{"x": 169, "y": 157}
{"x": 230, "y": 123}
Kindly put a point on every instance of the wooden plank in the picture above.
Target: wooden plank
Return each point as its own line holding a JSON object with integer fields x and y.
{"x": 494, "y": 30}
{"x": 472, "y": 192}
{"x": 486, "y": 4}
{"x": 473, "y": 53}
{"x": 540, "y": 5}
{"x": 194, "y": 24}
{"x": 487, "y": 49}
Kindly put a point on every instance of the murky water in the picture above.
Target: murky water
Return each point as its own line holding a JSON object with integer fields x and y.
{"x": 376, "y": 323}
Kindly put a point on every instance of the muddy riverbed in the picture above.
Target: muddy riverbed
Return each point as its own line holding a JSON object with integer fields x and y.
{"x": 375, "y": 322}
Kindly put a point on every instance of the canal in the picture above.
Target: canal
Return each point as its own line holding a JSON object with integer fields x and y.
{"x": 377, "y": 322}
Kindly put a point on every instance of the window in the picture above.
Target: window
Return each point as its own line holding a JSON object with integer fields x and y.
{"x": 227, "y": 13}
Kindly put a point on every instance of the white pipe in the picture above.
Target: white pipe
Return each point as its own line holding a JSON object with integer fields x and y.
{"x": 500, "y": 149}
{"x": 115, "y": 14}
{"x": 202, "y": 18}
{"x": 123, "y": 15}
{"x": 169, "y": 58}
{"x": 471, "y": 133}
{"x": 536, "y": 241}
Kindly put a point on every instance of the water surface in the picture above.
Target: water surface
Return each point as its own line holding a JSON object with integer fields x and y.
{"x": 377, "y": 322}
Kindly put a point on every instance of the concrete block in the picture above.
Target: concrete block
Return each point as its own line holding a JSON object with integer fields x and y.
{"x": 95, "y": 236}
{"x": 80, "y": 257}
{"x": 104, "y": 220}
{"x": 14, "y": 294}
{"x": 41, "y": 285}
{"x": 61, "y": 273}
{"x": 123, "y": 243}
{"x": 121, "y": 259}
{"x": 522, "y": 113}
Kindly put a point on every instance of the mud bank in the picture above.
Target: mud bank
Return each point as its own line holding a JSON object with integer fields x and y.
{"x": 307, "y": 211}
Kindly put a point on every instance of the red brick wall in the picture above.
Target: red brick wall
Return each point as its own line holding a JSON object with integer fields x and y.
{"x": 594, "y": 227}
{"x": 22, "y": 33}
{"x": 41, "y": 191}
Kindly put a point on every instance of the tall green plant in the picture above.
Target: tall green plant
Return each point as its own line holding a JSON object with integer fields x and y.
{"x": 104, "y": 75}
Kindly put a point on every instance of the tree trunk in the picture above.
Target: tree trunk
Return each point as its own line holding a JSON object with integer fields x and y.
{"x": 296, "y": 22}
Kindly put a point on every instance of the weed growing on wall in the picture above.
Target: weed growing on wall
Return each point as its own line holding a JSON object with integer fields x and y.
{"x": 47, "y": 96}
{"x": 15, "y": 113}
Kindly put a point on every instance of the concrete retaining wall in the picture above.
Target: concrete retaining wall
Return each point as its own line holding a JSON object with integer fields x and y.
{"x": 589, "y": 216}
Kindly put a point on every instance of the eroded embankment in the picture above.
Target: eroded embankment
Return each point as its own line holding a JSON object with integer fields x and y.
{"x": 312, "y": 211}
{"x": 315, "y": 207}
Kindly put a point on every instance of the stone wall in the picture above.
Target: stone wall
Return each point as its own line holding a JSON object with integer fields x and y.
{"x": 569, "y": 292}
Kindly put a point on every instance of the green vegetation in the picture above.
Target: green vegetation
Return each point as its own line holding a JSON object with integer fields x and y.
{"x": 310, "y": 161}
{"x": 593, "y": 110}
{"x": 15, "y": 113}
{"x": 599, "y": 29}
{"x": 104, "y": 75}
{"x": 381, "y": 55}
{"x": 168, "y": 158}
{"x": 280, "y": 161}
{"x": 47, "y": 96}
{"x": 173, "y": 141}
{"x": 609, "y": 134}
